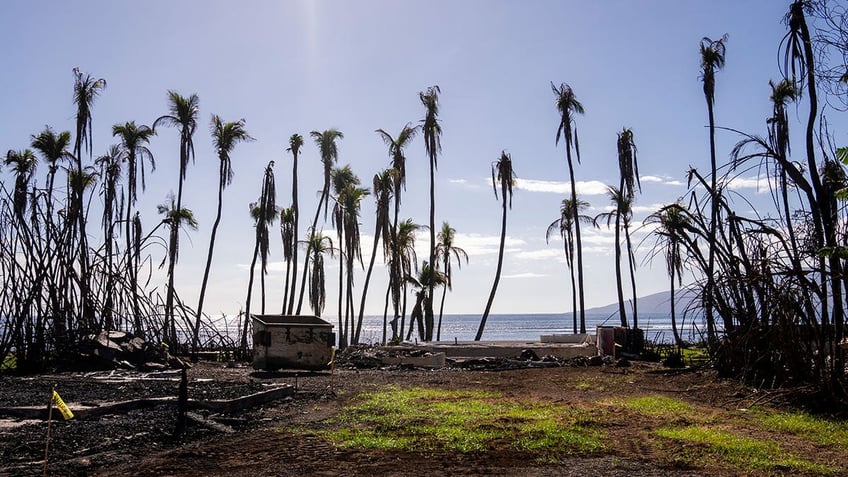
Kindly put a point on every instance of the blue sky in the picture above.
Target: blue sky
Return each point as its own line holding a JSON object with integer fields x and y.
{"x": 297, "y": 66}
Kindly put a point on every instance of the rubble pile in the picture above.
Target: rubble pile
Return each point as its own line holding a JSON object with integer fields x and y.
{"x": 119, "y": 350}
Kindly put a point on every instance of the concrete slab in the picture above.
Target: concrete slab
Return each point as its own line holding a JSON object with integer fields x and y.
{"x": 509, "y": 349}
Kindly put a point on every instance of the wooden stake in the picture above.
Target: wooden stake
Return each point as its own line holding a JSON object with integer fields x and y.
{"x": 49, "y": 425}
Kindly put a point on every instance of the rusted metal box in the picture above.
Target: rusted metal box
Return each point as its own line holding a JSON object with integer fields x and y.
{"x": 292, "y": 342}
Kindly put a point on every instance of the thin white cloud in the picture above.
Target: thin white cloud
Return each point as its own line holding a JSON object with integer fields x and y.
{"x": 760, "y": 184}
{"x": 561, "y": 187}
{"x": 532, "y": 185}
{"x": 465, "y": 183}
{"x": 665, "y": 180}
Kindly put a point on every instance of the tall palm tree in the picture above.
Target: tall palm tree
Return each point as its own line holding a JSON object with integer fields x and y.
{"x": 564, "y": 225}
{"x": 86, "y": 90}
{"x": 225, "y": 136}
{"x": 351, "y": 199}
{"x": 295, "y": 143}
{"x": 783, "y": 93}
{"x": 396, "y": 152}
{"x": 504, "y": 176}
{"x": 53, "y": 149}
{"x": 445, "y": 250}
{"x": 343, "y": 179}
{"x": 78, "y": 184}
{"x": 671, "y": 222}
{"x": 800, "y": 64}
{"x": 264, "y": 212}
{"x": 182, "y": 114}
{"x": 289, "y": 241}
{"x": 621, "y": 212}
{"x": 427, "y": 278}
{"x": 110, "y": 174}
{"x": 326, "y": 142}
{"x": 568, "y": 107}
{"x": 23, "y": 165}
{"x": 134, "y": 140}
{"x": 433, "y": 146}
{"x": 383, "y": 187}
{"x": 175, "y": 218}
{"x": 407, "y": 264}
{"x": 628, "y": 168}
{"x": 318, "y": 246}
{"x": 712, "y": 60}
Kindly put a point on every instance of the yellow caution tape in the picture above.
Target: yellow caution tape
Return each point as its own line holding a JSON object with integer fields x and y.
{"x": 61, "y": 406}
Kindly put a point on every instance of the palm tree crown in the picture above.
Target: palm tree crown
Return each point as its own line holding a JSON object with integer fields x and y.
{"x": 134, "y": 140}
{"x": 182, "y": 114}
{"x": 712, "y": 60}
{"x": 86, "y": 90}
{"x": 225, "y": 136}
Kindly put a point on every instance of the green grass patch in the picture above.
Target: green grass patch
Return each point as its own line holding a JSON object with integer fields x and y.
{"x": 660, "y": 406}
{"x": 418, "y": 419}
{"x": 9, "y": 362}
{"x": 806, "y": 426}
{"x": 694, "y": 354}
{"x": 742, "y": 452}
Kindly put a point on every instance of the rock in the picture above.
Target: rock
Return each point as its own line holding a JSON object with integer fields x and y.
{"x": 153, "y": 366}
{"x": 529, "y": 354}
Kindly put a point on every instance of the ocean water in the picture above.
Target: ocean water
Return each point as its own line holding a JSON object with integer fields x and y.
{"x": 529, "y": 327}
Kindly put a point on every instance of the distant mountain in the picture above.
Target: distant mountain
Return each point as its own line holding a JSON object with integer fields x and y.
{"x": 656, "y": 303}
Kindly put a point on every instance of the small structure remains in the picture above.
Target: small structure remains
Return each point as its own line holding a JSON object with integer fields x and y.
{"x": 292, "y": 342}
{"x": 615, "y": 340}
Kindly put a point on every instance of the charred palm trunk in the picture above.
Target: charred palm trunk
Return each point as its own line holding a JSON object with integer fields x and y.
{"x": 632, "y": 268}
{"x": 622, "y": 316}
{"x": 479, "y": 334}
{"x": 324, "y": 193}
{"x": 365, "y": 286}
{"x": 246, "y": 323}
{"x": 221, "y": 183}
{"x": 579, "y": 242}
{"x": 295, "y": 234}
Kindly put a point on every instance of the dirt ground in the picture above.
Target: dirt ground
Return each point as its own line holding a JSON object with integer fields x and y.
{"x": 141, "y": 442}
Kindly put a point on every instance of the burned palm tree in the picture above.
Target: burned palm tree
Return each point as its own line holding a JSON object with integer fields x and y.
{"x": 712, "y": 60}
{"x": 670, "y": 225}
{"x": 504, "y": 176}
{"x": 182, "y": 114}
{"x": 264, "y": 212}
{"x": 383, "y": 187}
{"x": 86, "y": 90}
{"x": 319, "y": 246}
{"x": 175, "y": 218}
{"x": 295, "y": 143}
{"x": 225, "y": 136}
{"x": 569, "y": 107}
{"x": 326, "y": 142}
{"x": 110, "y": 174}
{"x": 447, "y": 251}
{"x": 396, "y": 147}
{"x": 134, "y": 140}
{"x": 569, "y": 212}
{"x": 622, "y": 211}
{"x": 432, "y": 131}
{"x": 289, "y": 243}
